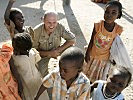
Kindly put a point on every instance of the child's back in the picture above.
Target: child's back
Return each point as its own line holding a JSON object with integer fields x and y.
{"x": 30, "y": 77}
{"x": 25, "y": 60}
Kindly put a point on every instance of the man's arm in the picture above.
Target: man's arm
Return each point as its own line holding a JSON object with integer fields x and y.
{"x": 7, "y": 12}
{"x": 56, "y": 52}
{"x": 69, "y": 37}
{"x": 67, "y": 44}
{"x": 50, "y": 53}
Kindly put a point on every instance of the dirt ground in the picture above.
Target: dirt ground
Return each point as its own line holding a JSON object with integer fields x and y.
{"x": 79, "y": 17}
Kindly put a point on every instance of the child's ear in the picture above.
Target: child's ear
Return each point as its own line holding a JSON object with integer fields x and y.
{"x": 119, "y": 16}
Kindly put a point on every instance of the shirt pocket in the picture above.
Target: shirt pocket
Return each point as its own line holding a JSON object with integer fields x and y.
{"x": 56, "y": 40}
{"x": 43, "y": 43}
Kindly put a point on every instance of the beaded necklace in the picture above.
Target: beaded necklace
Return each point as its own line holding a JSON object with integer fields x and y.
{"x": 106, "y": 96}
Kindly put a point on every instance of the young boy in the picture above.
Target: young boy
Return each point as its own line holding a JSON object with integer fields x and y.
{"x": 119, "y": 78}
{"x": 14, "y": 20}
{"x": 69, "y": 82}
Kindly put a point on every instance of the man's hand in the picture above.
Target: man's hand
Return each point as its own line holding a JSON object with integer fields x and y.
{"x": 54, "y": 53}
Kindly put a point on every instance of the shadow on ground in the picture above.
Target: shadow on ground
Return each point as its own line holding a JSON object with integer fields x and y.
{"x": 74, "y": 27}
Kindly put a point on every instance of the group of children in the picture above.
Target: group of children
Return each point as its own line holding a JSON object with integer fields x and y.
{"x": 72, "y": 80}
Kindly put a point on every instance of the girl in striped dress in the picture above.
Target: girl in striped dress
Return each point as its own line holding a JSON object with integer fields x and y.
{"x": 103, "y": 34}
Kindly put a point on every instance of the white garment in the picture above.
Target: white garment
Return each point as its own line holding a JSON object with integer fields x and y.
{"x": 98, "y": 95}
{"x": 119, "y": 54}
{"x": 30, "y": 77}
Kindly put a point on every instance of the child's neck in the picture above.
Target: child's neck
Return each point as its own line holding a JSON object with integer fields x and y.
{"x": 69, "y": 82}
{"x": 25, "y": 53}
{"x": 19, "y": 29}
{"x": 109, "y": 26}
{"x": 22, "y": 53}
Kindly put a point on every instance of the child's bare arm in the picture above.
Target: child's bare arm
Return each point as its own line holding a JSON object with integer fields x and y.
{"x": 87, "y": 55}
{"x": 7, "y": 12}
{"x": 40, "y": 91}
{"x": 94, "y": 85}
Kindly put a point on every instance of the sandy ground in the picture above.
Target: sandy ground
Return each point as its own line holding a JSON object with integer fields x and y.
{"x": 78, "y": 17}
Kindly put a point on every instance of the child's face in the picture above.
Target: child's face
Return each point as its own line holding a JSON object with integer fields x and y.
{"x": 68, "y": 70}
{"x": 116, "y": 83}
{"x": 19, "y": 20}
{"x": 111, "y": 13}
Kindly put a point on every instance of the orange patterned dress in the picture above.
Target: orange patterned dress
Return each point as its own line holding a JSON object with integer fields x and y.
{"x": 101, "y": 1}
{"x": 100, "y": 52}
{"x": 8, "y": 87}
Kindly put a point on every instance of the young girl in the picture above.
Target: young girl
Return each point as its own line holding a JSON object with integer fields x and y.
{"x": 8, "y": 87}
{"x": 119, "y": 78}
{"x": 100, "y": 1}
{"x": 25, "y": 59}
{"x": 104, "y": 32}
{"x": 14, "y": 20}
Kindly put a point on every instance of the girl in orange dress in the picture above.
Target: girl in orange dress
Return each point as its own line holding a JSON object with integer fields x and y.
{"x": 8, "y": 87}
{"x": 98, "y": 50}
{"x": 102, "y": 1}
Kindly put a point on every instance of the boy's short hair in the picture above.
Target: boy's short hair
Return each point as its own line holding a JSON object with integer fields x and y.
{"x": 22, "y": 41}
{"x": 75, "y": 55}
{"x": 13, "y": 12}
{"x": 124, "y": 72}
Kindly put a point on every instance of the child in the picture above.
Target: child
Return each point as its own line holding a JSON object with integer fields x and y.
{"x": 104, "y": 32}
{"x": 25, "y": 59}
{"x": 68, "y": 83}
{"x": 14, "y": 20}
{"x": 111, "y": 89}
{"x": 8, "y": 87}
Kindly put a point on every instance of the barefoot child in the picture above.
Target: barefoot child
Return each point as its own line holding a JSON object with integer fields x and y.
{"x": 119, "y": 78}
{"x": 69, "y": 82}
{"x": 8, "y": 87}
{"x": 14, "y": 20}
{"x": 103, "y": 34}
{"x": 25, "y": 59}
